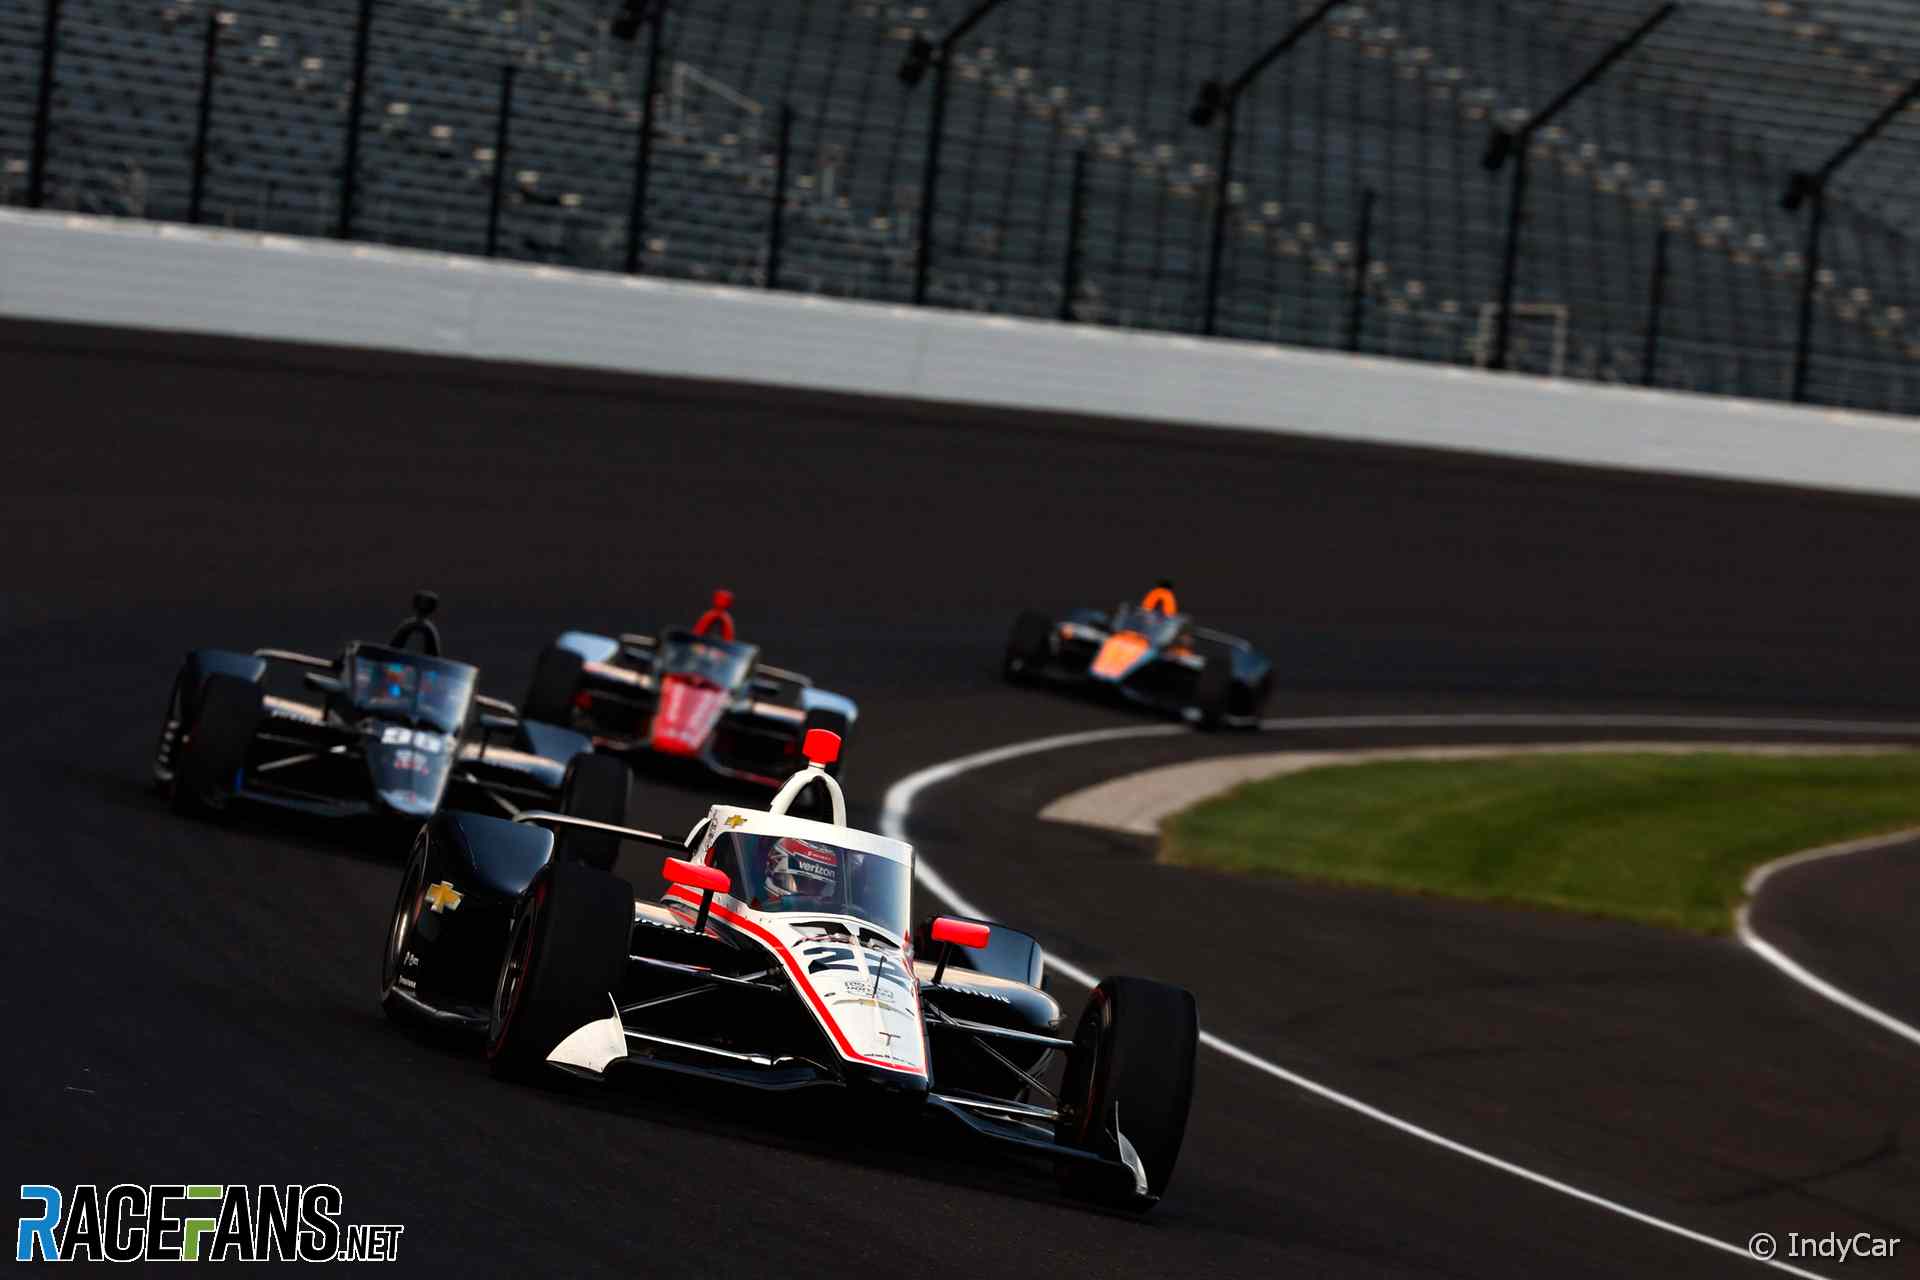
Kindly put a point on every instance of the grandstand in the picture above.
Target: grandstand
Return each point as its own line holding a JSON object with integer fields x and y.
{"x": 1694, "y": 134}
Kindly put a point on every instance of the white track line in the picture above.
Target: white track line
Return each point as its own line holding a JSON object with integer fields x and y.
{"x": 897, "y": 805}
{"x": 1743, "y": 928}
{"x": 1530, "y": 720}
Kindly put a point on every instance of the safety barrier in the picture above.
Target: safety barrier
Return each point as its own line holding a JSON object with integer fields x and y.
{"x": 90, "y": 270}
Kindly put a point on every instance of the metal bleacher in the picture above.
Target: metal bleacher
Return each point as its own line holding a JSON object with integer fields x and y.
{"x": 1695, "y": 133}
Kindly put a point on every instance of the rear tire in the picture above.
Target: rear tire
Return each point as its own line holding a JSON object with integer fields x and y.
{"x": 1027, "y": 647}
{"x": 1131, "y": 1067}
{"x": 1213, "y": 690}
{"x": 555, "y": 683}
{"x": 213, "y": 746}
{"x": 594, "y": 788}
{"x": 566, "y": 959}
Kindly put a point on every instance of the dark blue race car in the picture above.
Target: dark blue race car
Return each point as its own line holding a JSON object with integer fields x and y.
{"x": 389, "y": 730}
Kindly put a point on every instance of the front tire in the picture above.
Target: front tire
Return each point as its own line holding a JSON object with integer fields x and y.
{"x": 594, "y": 788}
{"x": 1129, "y": 1074}
{"x": 1213, "y": 688}
{"x": 406, "y": 914}
{"x": 212, "y": 749}
{"x": 566, "y": 957}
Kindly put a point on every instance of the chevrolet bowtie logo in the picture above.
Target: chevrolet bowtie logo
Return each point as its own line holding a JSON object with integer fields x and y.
{"x": 734, "y": 820}
{"x": 443, "y": 897}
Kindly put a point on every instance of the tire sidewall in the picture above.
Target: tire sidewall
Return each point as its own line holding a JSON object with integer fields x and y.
{"x": 213, "y": 744}
{"x": 555, "y": 684}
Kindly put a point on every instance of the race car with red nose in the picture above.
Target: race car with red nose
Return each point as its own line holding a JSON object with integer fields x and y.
{"x": 780, "y": 957}
{"x": 1148, "y": 653}
{"x": 697, "y": 694}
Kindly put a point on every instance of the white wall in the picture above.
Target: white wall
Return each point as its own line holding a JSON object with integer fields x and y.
{"x": 104, "y": 271}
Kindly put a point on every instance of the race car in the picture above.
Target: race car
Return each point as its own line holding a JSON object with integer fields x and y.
{"x": 694, "y": 694}
{"x": 395, "y": 732}
{"x": 1149, "y": 653}
{"x": 780, "y": 958}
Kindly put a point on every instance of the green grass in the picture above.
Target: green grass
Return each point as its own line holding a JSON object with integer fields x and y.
{"x": 1663, "y": 839}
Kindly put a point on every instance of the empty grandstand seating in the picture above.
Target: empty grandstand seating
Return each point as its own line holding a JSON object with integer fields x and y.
{"x": 1694, "y": 134}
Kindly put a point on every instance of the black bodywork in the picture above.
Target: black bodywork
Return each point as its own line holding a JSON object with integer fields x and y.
{"x": 379, "y": 730}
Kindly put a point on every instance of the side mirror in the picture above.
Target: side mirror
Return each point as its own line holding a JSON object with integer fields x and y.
{"x": 695, "y": 875}
{"x": 321, "y": 682}
{"x": 961, "y": 933}
{"x": 951, "y": 933}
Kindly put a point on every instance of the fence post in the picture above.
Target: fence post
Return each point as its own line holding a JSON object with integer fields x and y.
{"x": 1809, "y": 282}
{"x": 1518, "y": 143}
{"x": 776, "y": 226}
{"x": 1076, "y": 220}
{"x": 356, "y": 104}
{"x": 921, "y": 54}
{"x": 209, "y": 65}
{"x": 1656, "y": 303}
{"x": 43, "y": 108}
{"x": 500, "y": 139}
{"x": 1216, "y": 246}
{"x": 930, "y": 184}
{"x": 643, "y": 158}
{"x": 1362, "y": 265}
{"x": 1510, "y": 258}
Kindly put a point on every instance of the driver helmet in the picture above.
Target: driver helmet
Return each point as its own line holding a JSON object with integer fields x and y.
{"x": 801, "y": 869}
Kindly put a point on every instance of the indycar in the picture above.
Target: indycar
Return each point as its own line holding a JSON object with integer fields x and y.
{"x": 395, "y": 732}
{"x": 694, "y": 694}
{"x": 1147, "y": 653}
{"x": 778, "y": 958}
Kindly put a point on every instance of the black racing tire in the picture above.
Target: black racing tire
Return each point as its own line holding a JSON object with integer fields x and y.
{"x": 214, "y": 744}
{"x": 594, "y": 788}
{"x": 166, "y": 752}
{"x": 1132, "y": 1060}
{"x": 1027, "y": 646}
{"x": 555, "y": 683}
{"x": 566, "y": 955}
{"x": 1213, "y": 689}
{"x": 1257, "y": 699}
{"x": 406, "y": 914}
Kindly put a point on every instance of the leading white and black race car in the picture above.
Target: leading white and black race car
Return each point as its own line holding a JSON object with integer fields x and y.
{"x": 780, "y": 957}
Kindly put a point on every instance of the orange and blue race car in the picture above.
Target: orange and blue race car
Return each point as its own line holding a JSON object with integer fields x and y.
{"x": 1149, "y": 653}
{"x": 697, "y": 694}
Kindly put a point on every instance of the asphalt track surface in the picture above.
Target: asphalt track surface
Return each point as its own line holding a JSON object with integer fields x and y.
{"x": 195, "y": 1002}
